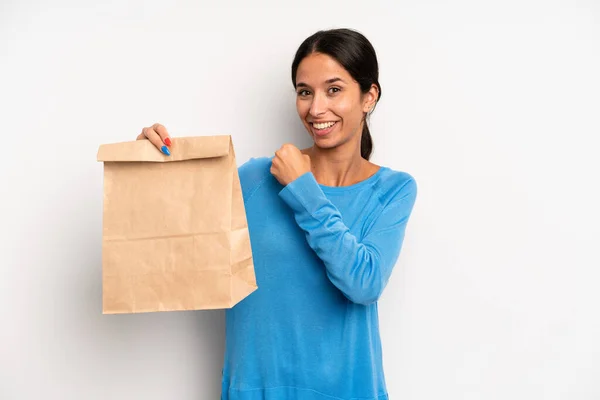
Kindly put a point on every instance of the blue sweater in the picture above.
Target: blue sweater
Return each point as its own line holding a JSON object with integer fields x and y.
{"x": 322, "y": 257}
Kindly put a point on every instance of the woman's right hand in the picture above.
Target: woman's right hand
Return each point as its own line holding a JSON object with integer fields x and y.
{"x": 157, "y": 134}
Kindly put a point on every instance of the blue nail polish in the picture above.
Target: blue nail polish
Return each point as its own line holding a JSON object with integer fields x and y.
{"x": 165, "y": 150}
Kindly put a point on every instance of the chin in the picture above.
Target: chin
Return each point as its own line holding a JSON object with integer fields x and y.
{"x": 325, "y": 143}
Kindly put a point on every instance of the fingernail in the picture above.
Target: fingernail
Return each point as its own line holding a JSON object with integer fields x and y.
{"x": 165, "y": 150}
{"x": 168, "y": 141}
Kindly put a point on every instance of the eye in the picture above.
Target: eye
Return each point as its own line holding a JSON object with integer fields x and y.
{"x": 334, "y": 90}
{"x": 303, "y": 93}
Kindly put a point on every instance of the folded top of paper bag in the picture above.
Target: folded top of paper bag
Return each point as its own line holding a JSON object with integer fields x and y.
{"x": 182, "y": 148}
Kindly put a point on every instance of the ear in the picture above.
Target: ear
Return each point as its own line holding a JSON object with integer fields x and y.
{"x": 370, "y": 98}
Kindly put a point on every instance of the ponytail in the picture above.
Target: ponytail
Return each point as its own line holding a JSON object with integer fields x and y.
{"x": 366, "y": 142}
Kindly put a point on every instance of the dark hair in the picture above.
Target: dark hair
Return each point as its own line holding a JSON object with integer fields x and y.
{"x": 356, "y": 54}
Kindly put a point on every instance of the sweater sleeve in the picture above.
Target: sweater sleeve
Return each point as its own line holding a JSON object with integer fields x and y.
{"x": 360, "y": 269}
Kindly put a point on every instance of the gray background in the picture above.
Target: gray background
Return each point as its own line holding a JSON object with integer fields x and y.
{"x": 492, "y": 106}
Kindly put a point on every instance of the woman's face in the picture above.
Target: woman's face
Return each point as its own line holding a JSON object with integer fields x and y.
{"x": 329, "y": 101}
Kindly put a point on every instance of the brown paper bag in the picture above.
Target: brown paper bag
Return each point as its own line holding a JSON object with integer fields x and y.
{"x": 174, "y": 235}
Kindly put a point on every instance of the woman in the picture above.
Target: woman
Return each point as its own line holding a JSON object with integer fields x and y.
{"x": 326, "y": 227}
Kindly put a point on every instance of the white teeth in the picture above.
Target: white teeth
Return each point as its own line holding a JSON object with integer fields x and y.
{"x": 323, "y": 125}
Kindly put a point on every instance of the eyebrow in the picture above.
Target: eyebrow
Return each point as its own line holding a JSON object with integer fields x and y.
{"x": 328, "y": 81}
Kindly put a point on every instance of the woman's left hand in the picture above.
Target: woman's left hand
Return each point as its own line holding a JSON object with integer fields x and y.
{"x": 289, "y": 164}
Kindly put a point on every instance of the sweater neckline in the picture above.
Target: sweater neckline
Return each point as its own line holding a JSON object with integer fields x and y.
{"x": 355, "y": 186}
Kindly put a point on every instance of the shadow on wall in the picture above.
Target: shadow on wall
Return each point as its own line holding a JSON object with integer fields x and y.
{"x": 79, "y": 348}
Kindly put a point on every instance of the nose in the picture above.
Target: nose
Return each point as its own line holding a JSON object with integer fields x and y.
{"x": 318, "y": 105}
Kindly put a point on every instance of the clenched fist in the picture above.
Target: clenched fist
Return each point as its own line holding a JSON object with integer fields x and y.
{"x": 289, "y": 163}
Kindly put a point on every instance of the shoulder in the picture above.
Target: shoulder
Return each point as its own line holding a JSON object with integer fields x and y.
{"x": 394, "y": 185}
{"x": 255, "y": 166}
{"x": 253, "y": 173}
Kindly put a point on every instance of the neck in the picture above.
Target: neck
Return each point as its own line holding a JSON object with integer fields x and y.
{"x": 340, "y": 166}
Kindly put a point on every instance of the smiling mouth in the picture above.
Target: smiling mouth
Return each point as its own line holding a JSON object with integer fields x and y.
{"x": 322, "y": 129}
